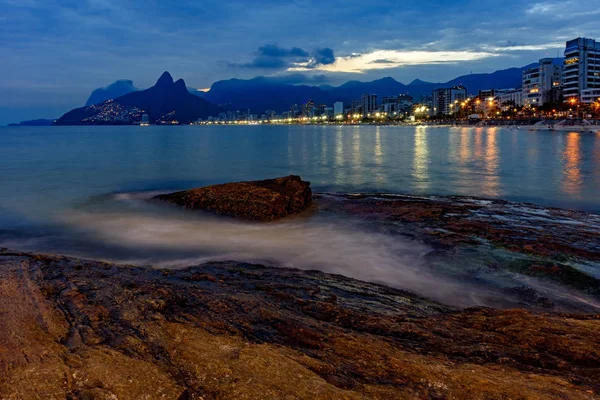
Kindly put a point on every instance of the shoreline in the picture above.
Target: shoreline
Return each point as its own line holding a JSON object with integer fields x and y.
{"x": 502, "y": 254}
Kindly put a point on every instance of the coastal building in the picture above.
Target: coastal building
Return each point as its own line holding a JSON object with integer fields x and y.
{"x": 550, "y": 81}
{"x": 446, "y": 101}
{"x": 531, "y": 87}
{"x": 485, "y": 94}
{"x": 294, "y": 111}
{"x": 590, "y": 95}
{"x": 368, "y": 103}
{"x": 338, "y": 108}
{"x": 506, "y": 98}
{"x": 308, "y": 109}
{"x": 405, "y": 103}
{"x": 581, "y": 69}
{"x": 389, "y": 104}
{"x": 542, "y": 84}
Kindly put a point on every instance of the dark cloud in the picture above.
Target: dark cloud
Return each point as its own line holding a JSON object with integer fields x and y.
{"x": 271, "y": 50}
{"x": 510, "y": 43}
{"x": 324, "y": 56}
{"x": 273, "y": 57}
{"x": 382, "y": 61}
{"x": 265, "y": 62}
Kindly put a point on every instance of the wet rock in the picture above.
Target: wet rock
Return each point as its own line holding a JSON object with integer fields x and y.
{"x": 549, "y": 242}
{"x": 270, "y": 333}
{"x": 266, "y": 200}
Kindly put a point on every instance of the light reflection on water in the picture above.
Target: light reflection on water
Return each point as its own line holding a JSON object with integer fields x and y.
{"x": 43, "y": 170}
{"x": 421, "y": 160}
{"x": 491, "y": 182}
{"x": 572, "y": 158}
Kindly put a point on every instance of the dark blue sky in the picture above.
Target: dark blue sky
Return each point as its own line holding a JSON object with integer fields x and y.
{"x": 54, "y": 53}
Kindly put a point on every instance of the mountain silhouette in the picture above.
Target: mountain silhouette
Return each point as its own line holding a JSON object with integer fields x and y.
{"x": 112, "y": 91}
{"x": 264, "y": 93}
{"x": 165, "y": 101}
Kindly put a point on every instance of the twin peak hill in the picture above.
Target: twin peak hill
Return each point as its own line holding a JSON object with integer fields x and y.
{"x": 167, "y": 101}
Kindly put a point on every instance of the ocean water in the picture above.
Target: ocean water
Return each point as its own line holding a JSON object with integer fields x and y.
{"x": 82, "y": 191}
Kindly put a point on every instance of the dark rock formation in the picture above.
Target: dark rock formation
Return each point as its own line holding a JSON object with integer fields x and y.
{"x": 71, "y": 328}
{"x": 266, "y": 200}
{"x": 112, "y": 91}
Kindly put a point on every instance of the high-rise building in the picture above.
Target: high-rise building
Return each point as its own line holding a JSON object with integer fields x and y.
{"x": 308, "y": 110}
{"x": 446, "y": 101}
{"x": 294, "y": 111}
{"x": 369, "y": 103}
{"x": 405, "y": 103}
{"x": 338, "y": 108}
{"x": 542, "y": 84}
{"x": 581, "y": 68}
{"x": 550, "y": 81}
{"x": 531, "y": 87}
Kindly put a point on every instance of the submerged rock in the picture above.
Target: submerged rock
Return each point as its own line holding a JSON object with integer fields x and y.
{"x": 266, "y": 200}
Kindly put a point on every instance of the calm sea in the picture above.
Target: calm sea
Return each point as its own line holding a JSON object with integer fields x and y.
{"x": 45, "y": 169}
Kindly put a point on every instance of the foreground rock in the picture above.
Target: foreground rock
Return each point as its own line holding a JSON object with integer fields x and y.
{"x": 266, "y": 200}
{"x": 91, "y": 330}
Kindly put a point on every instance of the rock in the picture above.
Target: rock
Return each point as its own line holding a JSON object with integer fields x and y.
{"x": 266, "y": 200}
{"x": 271, "y": 333}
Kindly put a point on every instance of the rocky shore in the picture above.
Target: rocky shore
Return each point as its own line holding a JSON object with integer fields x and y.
{"x": 82, "y": 329}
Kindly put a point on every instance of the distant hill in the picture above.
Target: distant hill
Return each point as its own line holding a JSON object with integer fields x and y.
{"x": 112, "y": 91}
{"x": 165, "y": 101}
{"x": 262, "y": 93}
{"x": 34, "y": 122}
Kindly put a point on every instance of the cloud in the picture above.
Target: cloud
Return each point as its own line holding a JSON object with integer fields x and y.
{"x": 271, "y": 50}
{"x": 547, "y": 7}
{"x": 512, "y": 46}
{"x": 382, "y": 61}
{"x": 273, "y": 57}
{"x": 386, "y": 59}
{"x": 323, "y": 56}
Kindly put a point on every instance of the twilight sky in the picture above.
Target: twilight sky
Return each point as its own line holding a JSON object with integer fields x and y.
{"x": 55, "y": 52}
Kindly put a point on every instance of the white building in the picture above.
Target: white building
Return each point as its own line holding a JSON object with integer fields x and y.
{"x": 590, "y": 95}
{"x": 369, "y": 103}
{"x": 531, "y": 87}
{"x": 541, "y": 83}
{"x": 581, "y": 69}
{"x": 446, "y": 101}
{"x": 338, "y": 108}
{"x": 512, "y": 96}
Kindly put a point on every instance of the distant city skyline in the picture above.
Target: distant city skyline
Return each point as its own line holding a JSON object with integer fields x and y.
{"x": 56, "y": 52}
